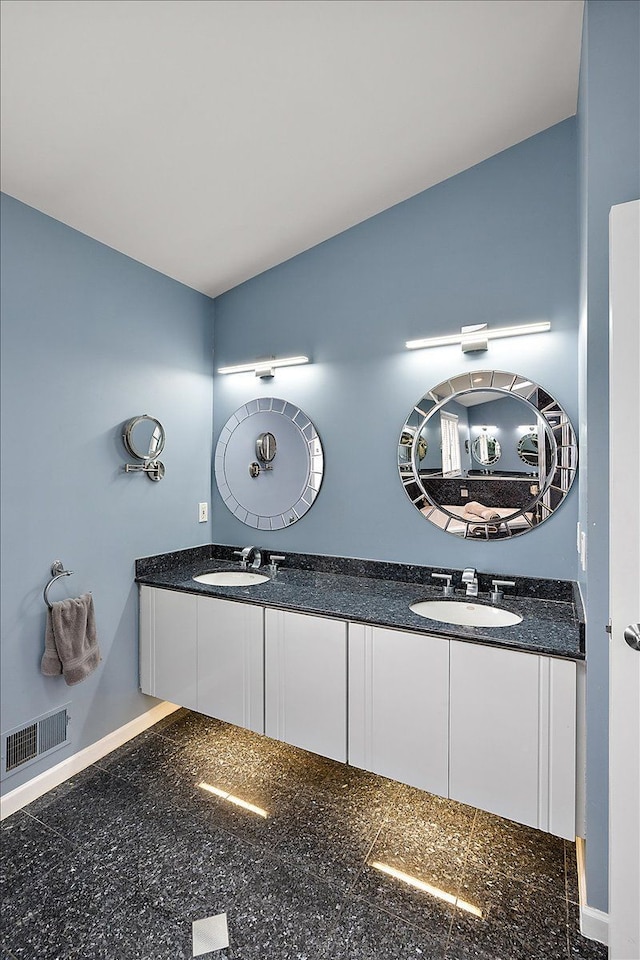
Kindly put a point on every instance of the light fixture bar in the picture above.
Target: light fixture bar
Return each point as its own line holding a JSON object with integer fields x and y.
{"x": 267, "y": 362}
{"x": 519, "y": 330}
{"x": 434, "y": 342}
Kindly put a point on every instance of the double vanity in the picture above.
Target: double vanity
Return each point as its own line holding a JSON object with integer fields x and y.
{"x": 355, "y": 660}
{"x": 458, "y": 683}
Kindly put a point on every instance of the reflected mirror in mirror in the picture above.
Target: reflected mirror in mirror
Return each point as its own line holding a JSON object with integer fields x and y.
{"x": 528, "y": 448}
{"x": 266, "y": 447}
{"x": 406, "y": 441}
{"x": 279, "y": 490}
{"x": 486, "y": 449}
{"x": 473, "y": 481}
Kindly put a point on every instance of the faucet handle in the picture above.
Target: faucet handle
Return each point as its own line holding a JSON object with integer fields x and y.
{"x": 497, "y": 594}
{"x": 447, "y": 589}
{"x": 243, "y": 558}
{"x": 274, "y": 560}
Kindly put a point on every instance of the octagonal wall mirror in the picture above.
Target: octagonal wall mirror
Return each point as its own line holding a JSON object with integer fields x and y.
{"x": 269, "y": 463}
{"x": 501, "y": 455}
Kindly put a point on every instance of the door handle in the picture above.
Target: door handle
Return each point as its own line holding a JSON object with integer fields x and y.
{"x": 632, "y": 635}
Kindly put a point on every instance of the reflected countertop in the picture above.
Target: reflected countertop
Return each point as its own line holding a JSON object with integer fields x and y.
{"x": 380, "y": 593}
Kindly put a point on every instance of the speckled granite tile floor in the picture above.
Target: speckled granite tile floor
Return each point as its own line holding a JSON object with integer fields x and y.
{"x": 117, "y": 863}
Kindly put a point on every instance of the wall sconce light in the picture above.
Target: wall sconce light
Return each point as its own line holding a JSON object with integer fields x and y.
{"x": 265, "y": 367}
{"x": 475, "y": 338}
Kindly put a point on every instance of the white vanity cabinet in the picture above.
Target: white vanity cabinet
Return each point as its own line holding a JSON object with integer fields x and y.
{"x": 399, "y": 706}
{"x": 168, "y": 646}
{"x": 490, "y": 727}
{"x": 512, "y": 740}
{"x": 306, "y": 682}
{"x": 231, "y": 662}
{"x": 203, "y": 653}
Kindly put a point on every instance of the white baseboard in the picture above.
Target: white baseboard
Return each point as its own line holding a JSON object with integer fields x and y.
{"x": 594, "y": 924}
{"x": 21, "y": 796}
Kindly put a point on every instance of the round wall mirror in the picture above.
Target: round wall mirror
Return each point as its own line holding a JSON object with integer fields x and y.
{"x": 486, "y": 449}
{"x": 266, "y": 447}
{"x": 528, "y": 449}
{"x": 274, "y": 496}
{"x": 487, "y": 490}
{"x": 144, "y": 437}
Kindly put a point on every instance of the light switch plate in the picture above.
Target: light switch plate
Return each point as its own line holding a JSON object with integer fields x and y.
{"x": 583, "y": 550}
{"x": 203, "y": 512}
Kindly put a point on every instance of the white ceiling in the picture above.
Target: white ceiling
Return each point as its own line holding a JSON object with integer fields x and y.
{"x": 213, "y": 139}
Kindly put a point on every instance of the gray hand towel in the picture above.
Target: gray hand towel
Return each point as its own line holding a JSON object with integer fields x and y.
{"x": 70, "y": 642}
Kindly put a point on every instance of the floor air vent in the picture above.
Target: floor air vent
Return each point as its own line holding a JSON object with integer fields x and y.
{"x": 42, "y": 736}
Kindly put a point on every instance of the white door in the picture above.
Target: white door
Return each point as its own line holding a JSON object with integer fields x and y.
{"x": 512, "y": 735}
{"x": 399, "y": 706}
{"x": 624, "y": 579}
{"x": 168, "y": 654}
{"x": 305, "y": 667}
{"x": 231, "y": 662}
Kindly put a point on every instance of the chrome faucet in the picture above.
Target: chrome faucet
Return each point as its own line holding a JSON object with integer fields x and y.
{"x": 469, "y": 577}
{"x": 249, "y": 556}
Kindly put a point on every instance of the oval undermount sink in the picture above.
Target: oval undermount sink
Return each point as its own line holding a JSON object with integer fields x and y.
{"x": 465, "y": 614}
{"x": 231, "y": 578}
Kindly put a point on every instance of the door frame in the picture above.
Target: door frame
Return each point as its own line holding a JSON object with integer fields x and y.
{"x": 624, "y": 580}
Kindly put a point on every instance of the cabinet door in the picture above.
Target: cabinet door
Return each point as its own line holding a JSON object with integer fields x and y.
{"x": 231, "y": 662}
{"x": 512, "y": 735}
{"x": 399, "y": 706}
{"x": 168, "y": 654}
{"x": 306, "y": 682}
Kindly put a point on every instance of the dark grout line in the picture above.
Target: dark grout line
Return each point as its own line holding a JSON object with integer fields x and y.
{"x": 57, "y": 833}
{"x": 461, "y": 880}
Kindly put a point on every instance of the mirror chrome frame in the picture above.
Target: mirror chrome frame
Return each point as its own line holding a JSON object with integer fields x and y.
{"x": 314, "y": 472}
{"x": 551, "y": 490}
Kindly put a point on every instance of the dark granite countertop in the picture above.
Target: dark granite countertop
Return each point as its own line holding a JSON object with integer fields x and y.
{"x": 381, "y": 593}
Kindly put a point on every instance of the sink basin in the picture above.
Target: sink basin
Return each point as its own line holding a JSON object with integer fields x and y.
{"x": 466, "y": 614}
{"x": 232, "y": 578}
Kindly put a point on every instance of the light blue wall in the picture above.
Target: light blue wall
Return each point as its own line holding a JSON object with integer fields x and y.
{"x": 91, "y": 338}
{"x": 609, "y": 173}
{"x": 497, "y": 243}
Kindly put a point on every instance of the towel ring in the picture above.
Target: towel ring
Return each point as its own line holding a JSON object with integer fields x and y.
{"x": 58, "y": 571}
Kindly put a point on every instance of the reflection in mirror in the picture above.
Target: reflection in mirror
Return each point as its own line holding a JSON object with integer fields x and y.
{"x": 278, "y": 491}
{"x": 528, "y": 448}
{"x": 266, "y": 447}
{"x": 407, "y": 439}
{"x": 473, "y": 480}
